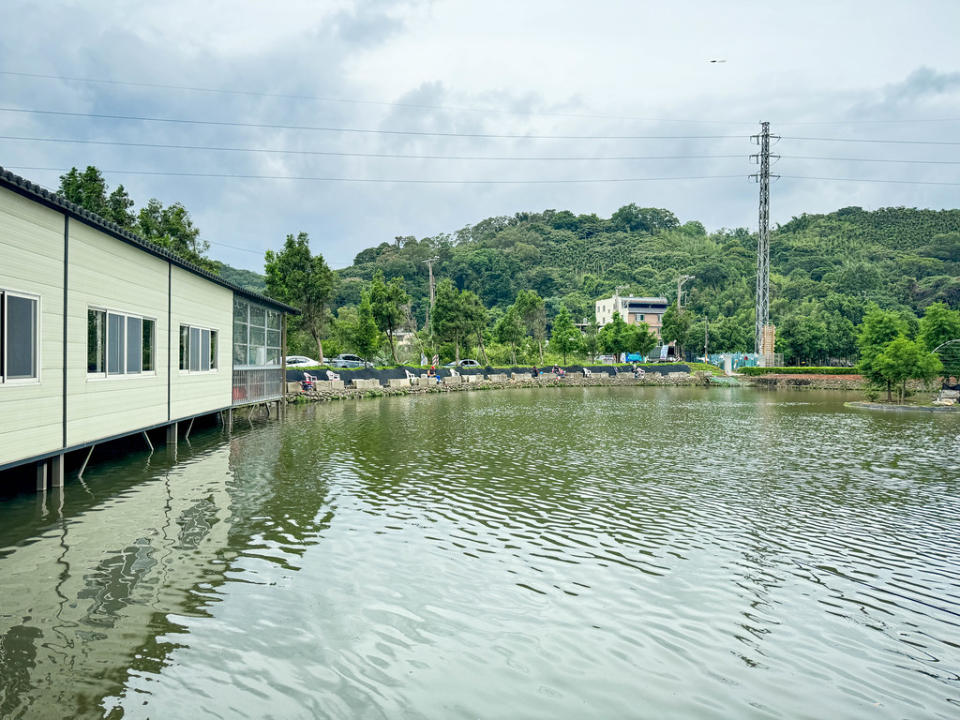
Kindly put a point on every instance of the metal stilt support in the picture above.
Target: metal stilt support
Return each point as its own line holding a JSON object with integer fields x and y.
{"x": 84, "y": 466}
{"x": 228, "y": 420}
{"x": 57, "y": 471}
{"x": 147, "y": 438}
{"x": 189, "y": 428}
{"x": 42, "y": 476}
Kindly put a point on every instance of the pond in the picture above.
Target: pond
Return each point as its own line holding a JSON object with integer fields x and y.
{"x": 555, "y": 553}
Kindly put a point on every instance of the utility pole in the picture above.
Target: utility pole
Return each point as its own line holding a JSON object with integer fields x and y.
{"x": 429, "y": 262}
{"x": 706, "y": 337}
{"x": 763, "y": 239}
{"x": 680, "y": 283}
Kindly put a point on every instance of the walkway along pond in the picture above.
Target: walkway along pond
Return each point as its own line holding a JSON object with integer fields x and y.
{"x": 585, "y": 552}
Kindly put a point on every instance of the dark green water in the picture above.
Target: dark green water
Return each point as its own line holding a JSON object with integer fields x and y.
{"x": 578, "y": 553}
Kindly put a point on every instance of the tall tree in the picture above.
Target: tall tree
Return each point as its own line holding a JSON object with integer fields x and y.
{"x": 172, "y": 228}
{"x": 565, "y": 338}
{"x": 640, "y": 340}
{"x": 674, "y": 327}
{"x": 879, "y": 329}
{"x": 938, "y": 325}
{"x": 509, "y": 330}
{"x": 87, "y": 189}
{"x": 449, "y": 321}
{"x": 389, "y": 302}
{"x": 120, "y": 208}
{"x": 532, "y": 310}
{"x": 903, "y": 360}
{"x": 296, "y": 277}
{"x": 614, "y": 337}
{"x": 366, "y": 336}
{"x": 476, "y": 319}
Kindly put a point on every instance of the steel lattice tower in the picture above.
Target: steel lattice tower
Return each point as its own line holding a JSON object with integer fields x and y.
{"x": 763, "y": 239}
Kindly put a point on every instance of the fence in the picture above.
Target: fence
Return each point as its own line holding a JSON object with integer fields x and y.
{"x": 253, "y": 385}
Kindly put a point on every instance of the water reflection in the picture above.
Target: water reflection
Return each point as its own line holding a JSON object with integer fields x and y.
{"x": 584, "y": 552}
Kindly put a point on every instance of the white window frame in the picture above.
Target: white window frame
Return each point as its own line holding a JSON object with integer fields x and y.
{"x": 106, "y": 375}
{"x": 13, "y": 382}
{"x": 201, "y": 328}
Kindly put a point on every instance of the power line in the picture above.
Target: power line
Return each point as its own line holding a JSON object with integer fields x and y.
{"x": 498, "y": 158}
{"x": 320, "y": 128}
{"x": 366, "y": 155}
{"x": 870, "y": 180}
{"x": 868, "y": 140}
{"x": 381, "y": 103}
{"x": 416, "y": 181}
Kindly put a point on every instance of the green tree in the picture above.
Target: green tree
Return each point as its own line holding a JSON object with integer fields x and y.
{"x": 120, "y": 209}
{"x": 938, "y": 325}
{"x": 171, "y": 227}
{"x": 903, "y": 359}
{"x": 87, "y": 189}
{"x": 674, "y": 327}
{"x": 640, "y": 340}
{"x": 475, "y": 316}
{"x": 510, "y": 330}
{"x": 449, "y": 321}
{"x": 532, "y": 310}
{"x": 879, "y": 329}
{"x": 615, "y": 336}
{"x": 298, "y": 278}
{"x": 366, "y": 336}
{"x": 389, "y": 302}
{"x": 565, "y": 338}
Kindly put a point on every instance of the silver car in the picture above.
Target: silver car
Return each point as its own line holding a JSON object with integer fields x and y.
{"x": 346, "y": 360}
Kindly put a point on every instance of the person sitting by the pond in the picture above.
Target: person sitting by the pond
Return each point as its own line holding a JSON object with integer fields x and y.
{"x": 432, "y": 373}
{"x": 558, "y": 371}
{"x": 638, "y": 372}
{"x": 534, "y": 372}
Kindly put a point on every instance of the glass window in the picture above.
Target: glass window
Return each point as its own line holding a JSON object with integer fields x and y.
{"x": 273, "y": 338}
{"x": 115, "y": 344}
{"x": 195, "y": 349}
{"x": 239, "y": 332}
{"x": 96, "y": 341}
{"x": 239, "y": 354}
{"x": 149, "y": 332}
{"x": 273, "y": 320}
{"x": 184, "y": 347}
{"x": 213, "y": 349}
{"x": 258, "y": 336}
{"x": 258, "y": 315}
{"x": 134, "y": 344}
{"x": 204, "y": 349}
{"x": 20, "y": 337}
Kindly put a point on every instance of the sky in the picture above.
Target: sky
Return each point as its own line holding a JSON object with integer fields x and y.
{"x": 623, "y": 93}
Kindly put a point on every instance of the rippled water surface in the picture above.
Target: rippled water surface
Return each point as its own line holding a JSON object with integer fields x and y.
{"x": 577, "y": 553}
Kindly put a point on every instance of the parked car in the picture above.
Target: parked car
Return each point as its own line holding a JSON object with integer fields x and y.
{"x": 300, "y": 361}
{"x": 346, "y": 360}
{"x": 464, "y": 364}
{"x": 606, "y": 359}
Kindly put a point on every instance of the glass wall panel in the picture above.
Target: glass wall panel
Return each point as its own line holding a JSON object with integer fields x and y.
{"x": 96, "y": 341}
{"x": 115, "y": 344}
{"x": 149, "y": 332}
{"x": 20, "y": 337}
{"x": 134, "y": 344}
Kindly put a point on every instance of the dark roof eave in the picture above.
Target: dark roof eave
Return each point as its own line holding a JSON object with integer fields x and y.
{"x": 32, "y": 191}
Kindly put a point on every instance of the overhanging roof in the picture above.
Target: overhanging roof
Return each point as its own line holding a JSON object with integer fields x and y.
{"x": 30, "y": 190}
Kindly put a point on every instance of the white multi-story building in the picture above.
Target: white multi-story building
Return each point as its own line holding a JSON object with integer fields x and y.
{"x": 633, "y": 310}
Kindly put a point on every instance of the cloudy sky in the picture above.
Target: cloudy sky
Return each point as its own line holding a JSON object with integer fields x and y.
{"x": 627, "y": 86}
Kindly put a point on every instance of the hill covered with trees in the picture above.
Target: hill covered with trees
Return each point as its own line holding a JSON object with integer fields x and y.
{"x": 826, "y": 270}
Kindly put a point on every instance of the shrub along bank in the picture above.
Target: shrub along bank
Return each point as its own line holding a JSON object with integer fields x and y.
{"x": 803, "y": 370}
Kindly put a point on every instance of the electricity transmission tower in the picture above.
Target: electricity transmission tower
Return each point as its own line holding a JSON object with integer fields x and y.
{"x": 763, "y": 336}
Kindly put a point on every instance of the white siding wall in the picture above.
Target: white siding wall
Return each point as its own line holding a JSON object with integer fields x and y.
{"x": 108, "y": 273}
{"x": 201, "y": 303}
{"x": 31, "y": 261}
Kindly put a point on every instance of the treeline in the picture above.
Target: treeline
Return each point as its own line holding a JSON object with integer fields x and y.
{"x": 531, "y": 270}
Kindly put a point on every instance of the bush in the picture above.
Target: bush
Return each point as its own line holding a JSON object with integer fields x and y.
{"x": 799, "y": 370}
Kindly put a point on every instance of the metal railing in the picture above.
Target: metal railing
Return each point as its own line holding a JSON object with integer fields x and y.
{"x": 253, "y": 385}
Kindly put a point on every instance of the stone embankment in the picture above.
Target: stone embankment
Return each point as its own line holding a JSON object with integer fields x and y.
{"x": 336, "y": 390}
{"x": 812, "y": 382}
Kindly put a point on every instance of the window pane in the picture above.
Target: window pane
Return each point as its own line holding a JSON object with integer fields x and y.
{"x": 213, "y": 349}
{"x": 258, "y": 336}
{"x": 258, "y": 315}
{"x": 184, "y": 347}
{"x": 239, "y": 332}
{"x": 115, "y": 345}
{"x": 273, "y": 320}
{"x": 205, "y": 350}
{"x": 239, "y": 354}
{"x": 149, "y": 331}
{"x": 134, "y": 343}
{"x": 21, "y": 337}
{"x": 273, "y": 356}
{"x": 273, "y": 338}
{"x": 256, "y": 355}
{"x": 195, "y": 349}
{"x": 96, "y": 341}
